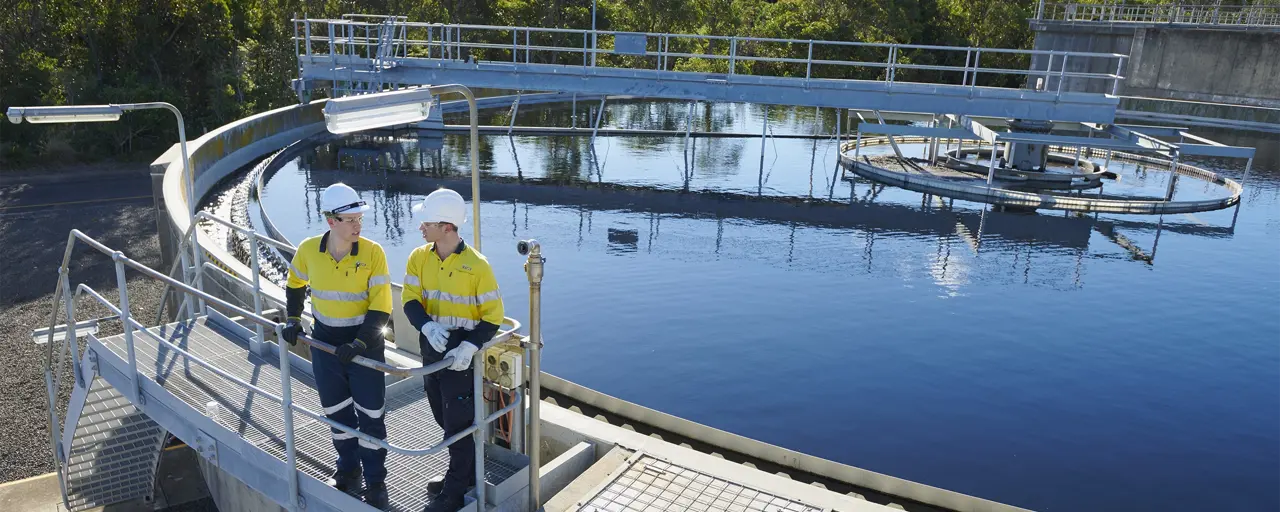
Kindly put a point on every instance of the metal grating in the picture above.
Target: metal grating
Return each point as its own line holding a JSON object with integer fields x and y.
{"x": 114, "y": 451}
{"x": 652, "y": 485}
{"x": 260, "y": 420}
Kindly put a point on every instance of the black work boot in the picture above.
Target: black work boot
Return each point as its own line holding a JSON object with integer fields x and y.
{"x": 444, "y": 503}
{"x": 434, "y": 487}
{"x": 348, "y": 482}
{"x": 375, "y": 495}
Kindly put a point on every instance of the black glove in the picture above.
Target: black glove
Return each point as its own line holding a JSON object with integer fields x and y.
{"x": 348, "y": 351}
{"x": 291, "y": 330}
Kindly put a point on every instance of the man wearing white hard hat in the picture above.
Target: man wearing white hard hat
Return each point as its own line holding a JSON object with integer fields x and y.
{"x": 452, "y": 297}
{"x": 351, "y": 303}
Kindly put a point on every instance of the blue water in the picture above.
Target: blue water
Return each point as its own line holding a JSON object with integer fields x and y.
{"x": 1051, "y": 361}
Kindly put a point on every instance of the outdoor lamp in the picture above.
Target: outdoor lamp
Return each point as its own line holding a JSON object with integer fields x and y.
{"x": 67, "y": 114}
{"x": 368, "y": 111}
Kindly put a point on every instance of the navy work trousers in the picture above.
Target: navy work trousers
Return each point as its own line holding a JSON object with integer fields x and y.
{"x": 354, "y": 396}
{"x": 452, "y": 398}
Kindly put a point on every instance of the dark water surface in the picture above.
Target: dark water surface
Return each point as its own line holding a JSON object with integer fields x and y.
{"x": 1051, "y": 361}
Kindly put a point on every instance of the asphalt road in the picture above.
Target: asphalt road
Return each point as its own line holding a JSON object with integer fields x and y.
{"x": 38, "y": 209}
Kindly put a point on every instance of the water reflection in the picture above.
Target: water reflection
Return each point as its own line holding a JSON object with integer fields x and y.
{"x": 1043, "y": 339}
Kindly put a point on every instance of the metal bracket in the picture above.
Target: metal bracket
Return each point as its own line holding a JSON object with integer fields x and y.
{"x": 525, "y": 343}
{"x": 93, "y": 363}
{"x": 206, "y": 446}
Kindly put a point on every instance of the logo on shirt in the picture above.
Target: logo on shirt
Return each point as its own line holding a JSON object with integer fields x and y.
{"x": 466, "y": 268}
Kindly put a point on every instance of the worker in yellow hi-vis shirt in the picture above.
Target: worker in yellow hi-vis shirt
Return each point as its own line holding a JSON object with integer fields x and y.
{"x": 351, "y": 303}
{"x": 451, "y": 296}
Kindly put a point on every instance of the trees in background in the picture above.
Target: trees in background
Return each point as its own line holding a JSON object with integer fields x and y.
{"x": 219, "y": 60}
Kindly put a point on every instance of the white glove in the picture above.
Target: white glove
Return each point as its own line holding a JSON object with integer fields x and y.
{"x": 437, "y": 335}
{"x": 462, "y": 356}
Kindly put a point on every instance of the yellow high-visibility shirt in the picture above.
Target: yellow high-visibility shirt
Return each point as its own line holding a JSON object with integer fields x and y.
{"x": 342, "y": 291}
{"x": 459, "y": 292}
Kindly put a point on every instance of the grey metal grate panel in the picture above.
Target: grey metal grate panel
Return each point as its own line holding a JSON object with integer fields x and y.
{"x": 260, "y": 420}
{"x": 652, "y": 485}
{"x": 113, "y": 452}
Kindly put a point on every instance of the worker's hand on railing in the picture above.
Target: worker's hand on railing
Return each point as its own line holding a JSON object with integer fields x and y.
{"x": 291, "y": 330}
{"x": 348, "y": 351}
{"x": 461, "y": 356}
{"x": 437, "y": 335}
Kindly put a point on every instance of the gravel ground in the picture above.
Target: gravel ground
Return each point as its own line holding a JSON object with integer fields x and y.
{"x": 34, "y": 234}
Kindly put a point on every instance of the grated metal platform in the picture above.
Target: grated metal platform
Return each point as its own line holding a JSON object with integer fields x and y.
{"x": 114, "y": 450}
{"x": 648, "y": 484}
{"x": 260, "y": 421}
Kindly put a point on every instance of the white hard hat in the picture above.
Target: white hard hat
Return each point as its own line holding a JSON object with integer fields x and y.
{"x": 443, "y": 205}
{"x": 339, "y": 198}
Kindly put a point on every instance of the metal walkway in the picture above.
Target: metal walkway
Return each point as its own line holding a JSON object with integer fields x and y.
{"x": 256, "y": 423}
{"x": 360, "y": 54}
{"x": 219, "y": 385}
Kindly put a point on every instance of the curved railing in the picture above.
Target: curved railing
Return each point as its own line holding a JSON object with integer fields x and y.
{"x": 984, "y": 193}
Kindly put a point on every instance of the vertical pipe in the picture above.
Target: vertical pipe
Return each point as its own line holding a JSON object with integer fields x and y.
{"x": 573, "y": 123}
{"x": 764, "y": 130}
{"x": 977, "y": 61}
{"x": 258, "y": 344}
{"x": 857, "y": 146}
{"x": 515, "y": 44}
{"x": 1247, "y": 167}
{"x": 991, "y": 169}
{"x": 478, "y": 437}
{"x": 527, "y": 47}
{"x": 1173, "y": 177}
{"x": 286, "y": 401}
{"x": 533, "y": 445}
{"x": 125, "y": 315}
{"x": 599, "y": 115}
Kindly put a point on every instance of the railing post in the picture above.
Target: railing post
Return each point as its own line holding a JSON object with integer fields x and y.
{"x": 809, "y": 61}
{"x": 533, "y": 443}
{"x": 515, "y": 44}
{"x": 1040, "y": 10}
{"x": 1062, "y": 75}
{"x": 1115, "y": 82}
{"x": 478, "y": 437}
{"x": 286, "y": 402}
{"x": 733, "y": 54}
{"x": 258, "y": 344}
{"x": 125, "y": 317}
{"x": 977, "y": 61}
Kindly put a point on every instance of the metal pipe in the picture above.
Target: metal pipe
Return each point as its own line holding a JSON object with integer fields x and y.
{"x": 1173, "y": 177}
{"x": 258, "y": 344}
{"x": 133, "y": 393}
{"x": 533, "y": 444}
{"x": 478, "y": 438}
{"x": 286, "y": 402}
{"x": 991, "y": 170}
{"x": 764, "y": 130}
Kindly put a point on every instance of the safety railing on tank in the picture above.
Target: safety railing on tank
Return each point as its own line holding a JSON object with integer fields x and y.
{"x": 64, "y": 298}
{"x": 348, "y": 42}
{"x": 1186, "y": 14}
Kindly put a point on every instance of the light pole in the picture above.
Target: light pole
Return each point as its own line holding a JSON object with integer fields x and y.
{"x": 382, "y": 109}
{"x": 593, "y": 33}
{"x": 110, "y": 113}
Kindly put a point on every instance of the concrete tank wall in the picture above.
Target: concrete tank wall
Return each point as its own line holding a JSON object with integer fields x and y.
{"x": 1220, "y": 66}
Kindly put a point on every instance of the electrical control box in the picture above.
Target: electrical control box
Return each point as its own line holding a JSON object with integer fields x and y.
{"x": 504, "y": 366}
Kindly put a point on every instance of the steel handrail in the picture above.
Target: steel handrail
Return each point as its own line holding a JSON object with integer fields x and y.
{"x": 1190, "y": 14}
{"x": 451, "y": 45}
{"x": 711, "y": 37}
{"x": 430, "y": 450}
{"x": 500, "y": 337}
{"x": 402, "y": 371}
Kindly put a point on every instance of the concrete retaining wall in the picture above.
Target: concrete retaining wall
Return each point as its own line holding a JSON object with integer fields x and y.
{"x": 1217, "y": 66}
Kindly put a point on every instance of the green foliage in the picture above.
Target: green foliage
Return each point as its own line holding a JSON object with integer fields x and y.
{"x": 219, "y": 60}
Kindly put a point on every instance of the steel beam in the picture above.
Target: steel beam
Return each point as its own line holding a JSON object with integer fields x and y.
{"x": 827, "y": 93}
